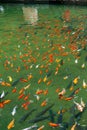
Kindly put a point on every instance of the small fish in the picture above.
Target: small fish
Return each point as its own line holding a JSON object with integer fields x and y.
{"x": 84, "y": 84}
{"x": 10, "y": 78}
{"x": 53, "y": 124}
{"x": 41, "y": 127}
{"x": 24, "y": 117}
{"x": 38, "y": 119}
{"x": 45, "y": 110}
{"x": 75, "y": 81}
{"x": 82, "y": 103}
{"x": 2, "y": 95}
{"x": 74, "y": 126}
{"x": 31, "y": 127}
{"x": 11, "y": 125}
{"x": 44, "y": 103}
{"x": 14, "y": 110}
{"x": 62, "y": 92}
{"x": 37, "y": 97}
{"x": 79, "y": 106}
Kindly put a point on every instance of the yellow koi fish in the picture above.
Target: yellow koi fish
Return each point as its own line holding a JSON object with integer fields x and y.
{"x": 10, "y": 125}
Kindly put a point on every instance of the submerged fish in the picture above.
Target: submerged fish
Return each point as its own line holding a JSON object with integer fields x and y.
{"x": 45, "y": 110}
{"x": 38, "y": 119}
{"x": 24, "y": 117}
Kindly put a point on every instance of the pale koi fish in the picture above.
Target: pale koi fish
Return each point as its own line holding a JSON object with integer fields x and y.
{"x": 31, "y": 127}
{"x": 14, "y": 110}
{"x": 79, "y": 106}
{"x": 2, "y": 95}
{"x": 37, "y": 97}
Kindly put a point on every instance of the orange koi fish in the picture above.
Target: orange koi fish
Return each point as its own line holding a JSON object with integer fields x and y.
{"x": 21, "y": 96}
{"x": 69, "y": 98}
{"x": 21, "y": 91}
{"x": 41, "y": 128}
{"x": 1, "y": 105}
{"x": 39, "y": 91}
{"x": 6, "y": 101}
{"x": 14, "y": 90}
{"x": 49, "y": 82}
{"x": 44, "y": 103}
{"x": 23, "y": 80}
{"x": 53, "y": 124}
{"x": 45, "y": 92}
{"x": 57, "y": 90}
{"x": 40, "y": 80}
{"x": 10, "y": 125}
{"x": 26, "y": 97}
{"x": 25, "y": 105}
{"x": 30, "y": 76}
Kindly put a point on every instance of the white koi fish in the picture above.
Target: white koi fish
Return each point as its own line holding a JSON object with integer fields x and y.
{"x": 14, "y": 110}
{"x": 31, "y": 127}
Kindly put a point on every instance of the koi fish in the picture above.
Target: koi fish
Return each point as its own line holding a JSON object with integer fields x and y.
{"x": 75, "y": 81}
{"x": 26, "y": 87}
{"x": 53, "y": 124}
{"x": 14, "y": 90}
{"x": 24, "y": 117}
{"x": 82, "y": 103}
{"x": 45, "y": 79}
{"x": 38, "y": 119}
{"x": 2, "y": 95}
{"x": 41, "y": 128}
{"x": 1, "y": 105}
{"x": 6, "y": 101}
{"x": 37, "y": 97}
{"x": 74, "y": 126}
{"x": 31, "y": 127}
{"x": 21, "y": 91}
{"x": 39, "y": 81}
{"x": 14, "y": 110}
{"x": 11, "y": 125}
{"x": 25, "y": 105}
{"x": 62, "y": 92}
{"x": 30, "y": 76}
{"x": 21, "y": 96}
{"x": 84, "y": 84}
{"x": 39, "y": 91}
{"x": 23, "y": 80}
{"x": 45, "y": 110}
{"x": 10, "y": 78}
{"x": 26, "y": 97}
{"x": 44, "y": 103}
{"x": 79, "y": 106}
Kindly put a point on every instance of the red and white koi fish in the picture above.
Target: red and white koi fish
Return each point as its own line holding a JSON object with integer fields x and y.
{"x": 62, "y": 92}
{"x": 79, "y": 106}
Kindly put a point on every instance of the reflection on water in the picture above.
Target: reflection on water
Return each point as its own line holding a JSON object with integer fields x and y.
{"x": 30, "y": 15}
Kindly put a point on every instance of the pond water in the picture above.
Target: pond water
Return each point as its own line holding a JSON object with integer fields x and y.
{"x": 43, "y": 52}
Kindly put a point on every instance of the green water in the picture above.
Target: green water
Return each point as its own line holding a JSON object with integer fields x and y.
{"x": 29, "y": 34}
